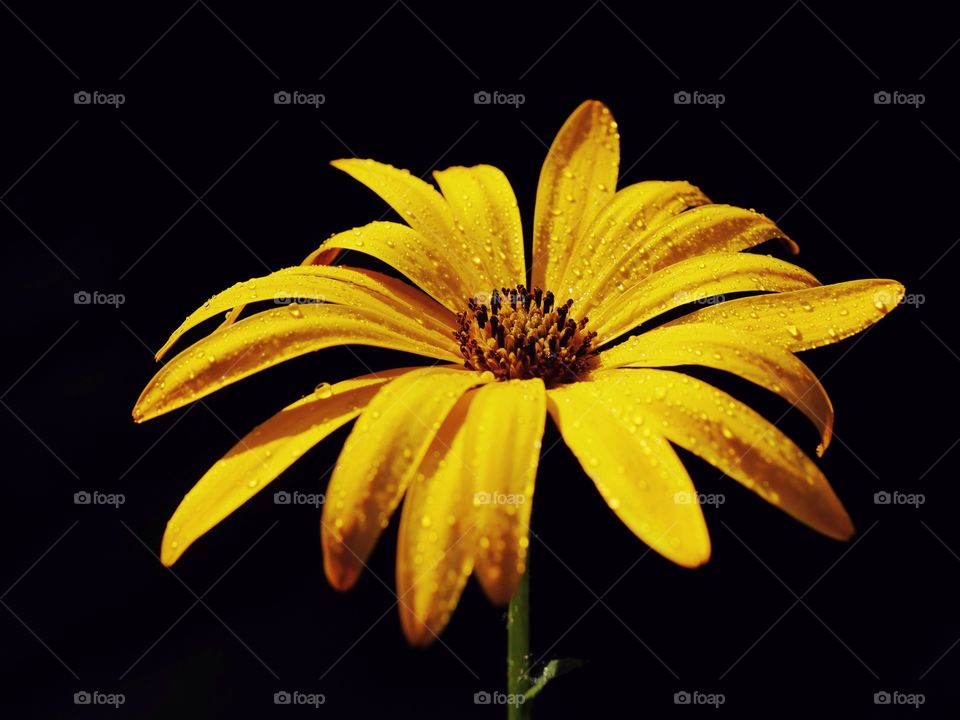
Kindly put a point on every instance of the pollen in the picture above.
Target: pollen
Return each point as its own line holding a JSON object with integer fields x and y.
{"x": 521, "y": 334}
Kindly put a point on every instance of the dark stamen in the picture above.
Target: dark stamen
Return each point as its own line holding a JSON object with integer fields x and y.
{"x": 528, "y": 336}
{"x": 548, "y": 302}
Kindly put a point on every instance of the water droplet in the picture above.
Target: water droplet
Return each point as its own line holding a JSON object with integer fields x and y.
{"x": 323, "y": 390}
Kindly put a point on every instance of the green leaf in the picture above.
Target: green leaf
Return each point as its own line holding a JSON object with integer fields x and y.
{"x": 554, "y": 669}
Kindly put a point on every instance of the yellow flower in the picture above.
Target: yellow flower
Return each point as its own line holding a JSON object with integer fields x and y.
{"x": 459, "y": 440}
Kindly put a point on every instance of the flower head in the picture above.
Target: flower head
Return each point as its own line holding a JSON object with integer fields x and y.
{"x": 458, "y": 441}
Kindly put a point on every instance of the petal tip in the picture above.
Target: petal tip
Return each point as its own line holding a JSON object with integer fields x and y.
{"x": 140, "y": 411}
{"x": 594, "y": 105}
{"x": 415, "y": 630}
{"x": 837, "y": 524}
{"x": 695, "y": 558}
{"x": 844, "y": 529}
{"x": 170, "y": 551}
{"x": 341, "y": 574}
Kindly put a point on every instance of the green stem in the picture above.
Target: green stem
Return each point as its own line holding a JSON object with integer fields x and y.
{"x": 518, "y": 649}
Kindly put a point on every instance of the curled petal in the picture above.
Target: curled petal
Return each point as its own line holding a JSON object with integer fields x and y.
{"x": 343, "y": 286}
{"x": 484, "y": 205}
{"x": 624, "y": 223}
{"x": 805, "y": 319}
{"x": 579, "y": 176}
{"x": 701, "y": 230}
{"x": 693, "y": 280}
{"x": 426, "y": 262}
{"x": 752, "y": 358}
{"x": 267, "y": 339}
{"x": 424, "y": 209}
{"x": 317, "y": 257}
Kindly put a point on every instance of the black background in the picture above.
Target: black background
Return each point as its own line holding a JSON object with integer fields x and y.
{"x": 104, "y": 199}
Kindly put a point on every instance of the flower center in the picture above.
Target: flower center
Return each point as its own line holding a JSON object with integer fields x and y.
{"x": 521, "y": 334}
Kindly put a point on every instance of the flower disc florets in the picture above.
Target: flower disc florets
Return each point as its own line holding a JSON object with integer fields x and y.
{"x": 520, "y": 334}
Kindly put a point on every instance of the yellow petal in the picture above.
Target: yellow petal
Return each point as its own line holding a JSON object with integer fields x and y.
{"x": 317, "y": 257}
{"x": 625, "y": 222}
{"x": 380, "y": 456}
{"x": 435, "y": 549}
{"x": 343, "y": 286}
{"x": 483, "y": 203}
{"x": 427, "y": 263}
{"x": 806, "y": 319}
{"x": 267, "y": 339}
{"x": 322, "y": 257}
{"x": 692, "y": 280}
{"x": 423, "y": 208}
{"x": 264, "y": 454}
{"x": 734, "y": 351}
{"x": 732, "y": 437}
{"x": 578, "y": 178}
{"x": 504, "y": 430}
{"x": 701, "y": 230}
{"x": 634, "y": 468}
